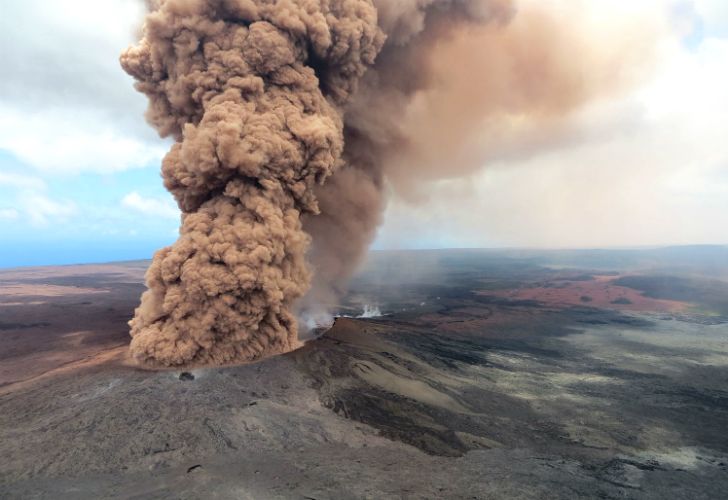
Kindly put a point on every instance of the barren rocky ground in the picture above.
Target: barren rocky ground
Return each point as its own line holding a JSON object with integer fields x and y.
{"x": 476, "y": 383}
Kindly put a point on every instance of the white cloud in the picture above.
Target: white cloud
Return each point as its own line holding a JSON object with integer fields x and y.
{"x": 42, "y": 210}
{"x": 21, "y": 181}
{"x": 714, "y": 14}
{"x": 8, "y": 214}
{"x": 150, "y": 206}
{"x": 82, "y": 142}
{"x": 34, "y": 206}
{"x": 66, "y": 106}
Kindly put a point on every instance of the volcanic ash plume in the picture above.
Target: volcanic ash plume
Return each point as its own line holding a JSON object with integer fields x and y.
{"x": 251, "y": 91}
{"x": 291, "y": 117}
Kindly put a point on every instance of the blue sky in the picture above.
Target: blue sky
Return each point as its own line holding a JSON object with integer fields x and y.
{"x": 79, "y": 167}
{"x": 82, "y": 217}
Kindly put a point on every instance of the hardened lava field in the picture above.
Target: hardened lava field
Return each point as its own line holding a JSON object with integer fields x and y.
{"x": 489, "y": 375}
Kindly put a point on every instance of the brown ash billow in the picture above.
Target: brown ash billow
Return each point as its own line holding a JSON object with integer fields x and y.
{"x": 290, "y": 118}
{"x": 256, "y": 128}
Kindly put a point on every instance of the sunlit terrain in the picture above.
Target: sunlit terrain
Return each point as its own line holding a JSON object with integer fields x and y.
{"x": 518, "y": 374}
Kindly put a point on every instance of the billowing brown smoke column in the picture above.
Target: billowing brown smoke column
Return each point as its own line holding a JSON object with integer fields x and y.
{"x": 251, "y": 91}
{"x": 289, "y": 117}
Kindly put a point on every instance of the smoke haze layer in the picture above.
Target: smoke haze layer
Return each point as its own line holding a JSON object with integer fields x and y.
{"x": 291, "y": 121}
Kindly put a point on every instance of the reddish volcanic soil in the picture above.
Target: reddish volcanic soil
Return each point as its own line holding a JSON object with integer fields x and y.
{"x": 599, "y": 292}
{"x": 55, "y": 319}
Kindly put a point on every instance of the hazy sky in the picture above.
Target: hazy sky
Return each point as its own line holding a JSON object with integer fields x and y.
{"x": 79, "y": 166}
